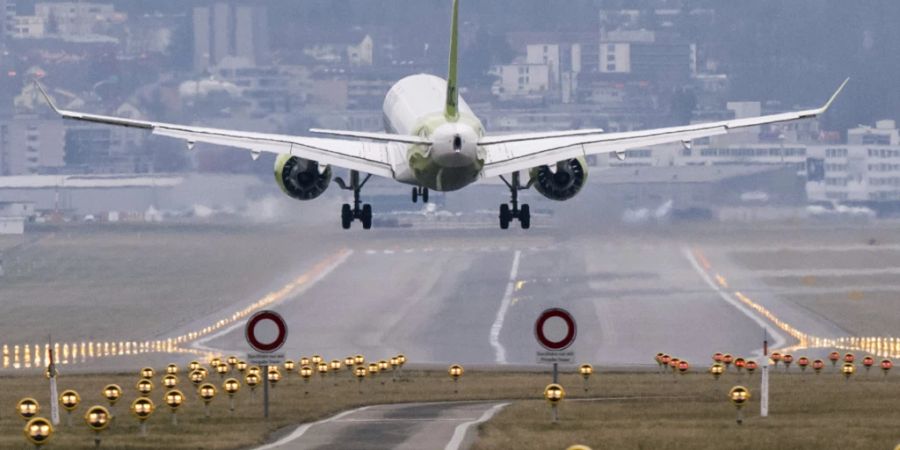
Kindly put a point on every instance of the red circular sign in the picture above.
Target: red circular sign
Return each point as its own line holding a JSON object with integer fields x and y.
{"x": 267, "y": 345}
{"x": 546, "y": 342}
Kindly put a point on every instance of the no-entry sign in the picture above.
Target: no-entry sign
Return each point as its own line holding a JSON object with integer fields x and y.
{"x": 555, "y": 331}
{"x": 266, "y": 331}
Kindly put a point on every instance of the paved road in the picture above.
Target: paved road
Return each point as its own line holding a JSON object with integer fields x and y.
{"x": 418, "y": 426}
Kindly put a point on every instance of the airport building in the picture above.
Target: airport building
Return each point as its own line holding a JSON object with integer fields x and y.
{"x": 13, "y": 216}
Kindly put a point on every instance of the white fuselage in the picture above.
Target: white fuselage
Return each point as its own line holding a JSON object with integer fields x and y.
{"x": 415, "y": 106}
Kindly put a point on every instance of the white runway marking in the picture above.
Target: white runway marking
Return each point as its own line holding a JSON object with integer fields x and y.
{"x": 499, "y": 351}
{"x": 778, "y": 338}
{"x": 460, "y": 432}
{"x": 302, "y": 429}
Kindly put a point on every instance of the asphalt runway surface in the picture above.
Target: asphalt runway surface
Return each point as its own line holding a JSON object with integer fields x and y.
{"x": 474, "y": 301}
{"x": 412, "y": 426}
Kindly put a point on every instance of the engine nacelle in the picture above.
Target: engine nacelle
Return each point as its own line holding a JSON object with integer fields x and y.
{"x": 301, "y": 178}
{"x": 562, "y": 183}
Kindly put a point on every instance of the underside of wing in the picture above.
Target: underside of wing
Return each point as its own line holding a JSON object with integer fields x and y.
{"x": 506, "y": 156}
{"x": 369, "y": 157}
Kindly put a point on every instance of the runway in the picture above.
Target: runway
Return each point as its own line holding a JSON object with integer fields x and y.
{"x": 472, "y": 296}
{"x": 474, "y": 301}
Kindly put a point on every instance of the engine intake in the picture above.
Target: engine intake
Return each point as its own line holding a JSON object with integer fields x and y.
{"x": 301, "y": 178}
{"x": 564, "y": 182}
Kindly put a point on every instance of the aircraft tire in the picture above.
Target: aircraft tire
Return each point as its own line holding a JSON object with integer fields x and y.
{"x": 505, "y": 216}
{"x": 346, "y": 216}
{"x": 367, "y": 216}
{"x": 525, "y": 217}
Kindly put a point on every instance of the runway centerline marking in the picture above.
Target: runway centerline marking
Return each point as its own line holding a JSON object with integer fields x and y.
{"x": 499, "y": 351}
{"x": 460, "y": 432}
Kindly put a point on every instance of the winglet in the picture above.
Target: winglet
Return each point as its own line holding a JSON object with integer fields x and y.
{"x": 834, "y": 96}
{"x": 46, "y": 97}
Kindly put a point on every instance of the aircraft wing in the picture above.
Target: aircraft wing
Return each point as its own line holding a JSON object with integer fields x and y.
{"x": 504, "y": 156}
{"x": 368, "y": 157}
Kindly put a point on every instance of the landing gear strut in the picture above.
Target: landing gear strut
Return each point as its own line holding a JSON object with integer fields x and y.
{"x": 511, "y": 211}
{"x": 348, "y": 214}
{"x": 420, "y": 191}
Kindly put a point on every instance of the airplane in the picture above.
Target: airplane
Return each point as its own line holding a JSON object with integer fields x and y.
{"x": 433, "y": 141}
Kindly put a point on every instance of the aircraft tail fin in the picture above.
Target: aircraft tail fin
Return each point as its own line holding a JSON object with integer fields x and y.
{"x": 451, "y": 106}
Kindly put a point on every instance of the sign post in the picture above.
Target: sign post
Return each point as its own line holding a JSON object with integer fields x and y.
{"x": 266, "y": 331}
{"x": 51, "y": 373}
{"x": 764, "y": 383}
{"x": 555, "y": 331}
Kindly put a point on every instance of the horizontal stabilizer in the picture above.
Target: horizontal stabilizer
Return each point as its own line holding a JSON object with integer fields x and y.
{"x": 384, "y": 137}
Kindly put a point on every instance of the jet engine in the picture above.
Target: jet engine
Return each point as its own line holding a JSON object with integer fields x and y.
{"x": 561, "y": 182}
{"x": 300, "y": 178}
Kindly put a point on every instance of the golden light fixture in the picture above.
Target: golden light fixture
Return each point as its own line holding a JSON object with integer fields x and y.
{"x": 38, "y": 431}
{"x": 69, "y": 399}
{"x": 717, "y": 369}
{"x": 145, "y": 387}
{"x": 739, "y": 396}
{"x": 97, "y": 418}
{"x": 174, "y": 399}
{"x": 112, "y": 393}
{"x": 28, "y": 408}
{"x": 170, "y": 381}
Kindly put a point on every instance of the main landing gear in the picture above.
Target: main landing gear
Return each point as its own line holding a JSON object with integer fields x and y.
{"x": 511, "y": 211}
{"x": 419, "y": 191}
{"x": 348, "y": 214}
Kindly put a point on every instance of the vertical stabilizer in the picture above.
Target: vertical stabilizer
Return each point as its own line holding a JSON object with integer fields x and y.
{"x": 451, "y": 106}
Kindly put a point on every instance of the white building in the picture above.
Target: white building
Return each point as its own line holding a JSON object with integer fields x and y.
{"x": 884, "y": 133}
{"x": 13, "y": 216}
{"x": 76, "y": 18}
{"x": 29, "y": 143}
{"x": 521, "y": 81}
{"x": 27, "y": 27}
{"x": 548, "y": 55}
{"x": 865, "y": 170}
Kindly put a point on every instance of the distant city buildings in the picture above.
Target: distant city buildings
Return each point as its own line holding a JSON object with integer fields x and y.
{"x": 31, "y": 144}
{"x": 226, "y": 30}
{"x": 220, "y": 62}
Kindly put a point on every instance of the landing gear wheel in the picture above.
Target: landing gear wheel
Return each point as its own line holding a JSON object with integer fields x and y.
{"x": 505, "y": 216}
{"x": 348, "y": 213}
{"x": 415, "y": 195}
{"x": 346, "y": 216}
{"x": 525, "y": 217}
{"x": 424, "y": 195}
{"x": 366, "y": 218}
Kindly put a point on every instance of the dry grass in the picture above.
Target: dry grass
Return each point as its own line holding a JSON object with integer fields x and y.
{"x": 149, "y": 278}
{"x": 862, "y": 312}
{"x": 290, "y": 405}
{"x": 630, "y": 410}
{"x": 838, "y": 281}
{"x": 805, "y": 412}
{"x": 874, "y": 258}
